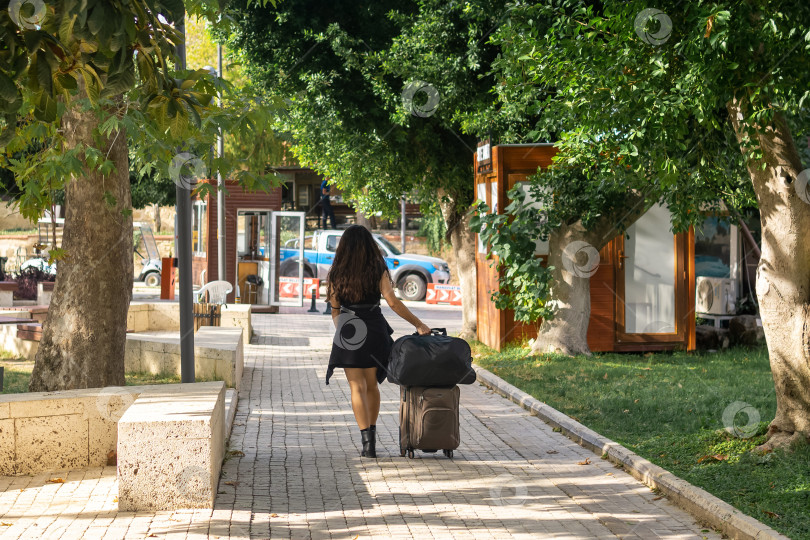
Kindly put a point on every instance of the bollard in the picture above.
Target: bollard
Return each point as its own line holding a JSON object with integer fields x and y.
{"x": 1, "y": 378}
{"x": 328, "y": 310}
{"x": 312, "y": 308}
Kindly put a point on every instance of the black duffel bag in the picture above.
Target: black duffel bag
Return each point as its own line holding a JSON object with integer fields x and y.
{"x": 432, "y": 360}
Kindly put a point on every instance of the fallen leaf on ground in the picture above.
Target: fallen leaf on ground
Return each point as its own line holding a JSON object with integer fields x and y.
{"x": 658, "y": 498}
{"x": 586, "y": 462}
{"x": 552, "y": 452}
{"x": 56, "y": 480}
{"x": 716, "y": 457}
{"x": 231, "y": 483}
{"x": 236, "y": 453}
{"x": 115, "y": 499}
{"x": 773, "y": 515}
{"x": 4, "y": 524}
{"x": 273, "y": 515}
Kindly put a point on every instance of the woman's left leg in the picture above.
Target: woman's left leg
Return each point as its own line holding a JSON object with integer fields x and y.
{"x": 360, "y": 406}
{"x": 372, "y": 394}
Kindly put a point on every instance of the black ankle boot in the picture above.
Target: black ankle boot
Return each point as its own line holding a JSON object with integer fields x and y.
{"x": 369, "y": 443}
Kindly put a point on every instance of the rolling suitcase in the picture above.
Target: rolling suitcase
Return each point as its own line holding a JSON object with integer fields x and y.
{"x": 428, "y": 419}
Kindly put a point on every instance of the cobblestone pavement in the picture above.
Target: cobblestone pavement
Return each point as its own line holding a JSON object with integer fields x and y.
{"x": 294, "y": 469}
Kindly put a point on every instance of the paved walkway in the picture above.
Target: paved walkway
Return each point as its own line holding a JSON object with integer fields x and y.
{"x": 294, "y": 469}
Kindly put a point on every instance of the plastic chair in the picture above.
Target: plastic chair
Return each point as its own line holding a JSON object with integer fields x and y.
{"x": 217, "y": 292}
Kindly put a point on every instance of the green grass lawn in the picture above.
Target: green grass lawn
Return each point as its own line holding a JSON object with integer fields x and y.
{"x": 668, "y": 408}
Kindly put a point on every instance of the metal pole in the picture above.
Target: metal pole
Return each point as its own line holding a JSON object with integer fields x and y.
{"x": 220, "y": 192}
{"x": 402, "y": 226}
{"x": 183, "y": 241}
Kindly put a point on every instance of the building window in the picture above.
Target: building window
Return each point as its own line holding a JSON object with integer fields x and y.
{"x": 303, "y": 197}
{"x": 198, "y": 228}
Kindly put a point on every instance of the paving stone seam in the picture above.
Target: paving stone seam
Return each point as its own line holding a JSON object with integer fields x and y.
{"x": 701, "y": 504}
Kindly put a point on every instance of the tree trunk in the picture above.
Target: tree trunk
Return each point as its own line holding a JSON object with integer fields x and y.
{"x": 84, "y": 335}
{"x": 566, "y": 333}
{"x": 574, "y": 254}
{"x": 361, "y": 219}
{"x": 157, "y": 219}
{"x": 463, "y": 241}
{"x": 783, "y": 274}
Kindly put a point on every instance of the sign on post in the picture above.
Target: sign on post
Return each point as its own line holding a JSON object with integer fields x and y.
{"x": 438, "y": 293}
{"x": 290, "y": 287}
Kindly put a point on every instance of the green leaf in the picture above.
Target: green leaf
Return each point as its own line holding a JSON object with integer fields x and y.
{"x": 8, "y": 90}
{"x": 46, "y": 108}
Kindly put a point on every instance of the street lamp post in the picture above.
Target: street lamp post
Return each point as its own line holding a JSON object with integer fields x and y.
{"x": 183, "y": 250}
{"x": 220, "y": 191}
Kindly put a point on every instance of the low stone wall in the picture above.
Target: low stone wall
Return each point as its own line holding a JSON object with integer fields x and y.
{"x": 218, "y": 354}
{"x": 142, "y": 317}
{"x": 165, "y": 315}
{"x": 72, "y": 429}
{"x": 76, "y": 429}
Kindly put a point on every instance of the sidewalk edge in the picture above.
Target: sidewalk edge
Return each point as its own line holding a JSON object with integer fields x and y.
{"x": 701, "y": 504}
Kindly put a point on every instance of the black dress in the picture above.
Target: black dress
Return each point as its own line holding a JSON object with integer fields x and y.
{"x": 362, "y": 338}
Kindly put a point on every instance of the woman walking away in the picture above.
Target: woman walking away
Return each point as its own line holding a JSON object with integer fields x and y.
{"x": 362, "y": 340}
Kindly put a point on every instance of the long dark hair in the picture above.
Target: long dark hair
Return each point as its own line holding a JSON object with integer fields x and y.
{"x": 357, "y": 268}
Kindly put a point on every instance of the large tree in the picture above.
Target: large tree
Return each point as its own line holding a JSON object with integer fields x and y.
{"x": 571, "y": 87}
{"x": 377, "y": 92}
{"x": 76, "y": 80}
{"x": 697, "y": 90}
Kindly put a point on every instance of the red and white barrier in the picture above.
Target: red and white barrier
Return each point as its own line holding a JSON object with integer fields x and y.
{"x": 290, "y": 287}
{"x": 443, "y": 294}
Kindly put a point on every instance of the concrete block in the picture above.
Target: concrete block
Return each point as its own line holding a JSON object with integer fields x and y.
{"x": 171, "y": 363}
{"x": 59, "y": 441}
{"x": 208, "y": 368}
{"x": 152, "y": 353}
{"x": 164, "y": 316}
{"x": 4, "y": 411}
{"x": 6, "y": 298}
{"x": 132, "y": 356}
{"x": 103, "y": 413}
{"x": 7, "y": 447}
{"x": 138, "y": 317}
{"x": 238, "y": 316}
{"x": 44, "y": 294}
{"x": 40, "y": 404}
{"x": 20, "y": 348}
{"x": 170, "y": 448}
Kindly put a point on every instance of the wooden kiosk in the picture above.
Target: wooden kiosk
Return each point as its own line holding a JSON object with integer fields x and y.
{"x": 246, "y": 216}
{"x": 643, "y": 291}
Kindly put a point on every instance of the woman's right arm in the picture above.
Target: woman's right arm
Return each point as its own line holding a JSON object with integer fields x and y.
{"x": 335, "y": 310}
{"x": 399, "y": 308}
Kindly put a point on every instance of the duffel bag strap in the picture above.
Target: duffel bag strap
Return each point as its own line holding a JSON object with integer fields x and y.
{"x": 438, "y": 331}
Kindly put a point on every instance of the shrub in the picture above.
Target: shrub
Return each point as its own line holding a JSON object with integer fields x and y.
{"x": 27, "y": 282}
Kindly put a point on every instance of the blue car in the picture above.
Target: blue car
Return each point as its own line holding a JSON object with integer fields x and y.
{"x": 411, "y": 273}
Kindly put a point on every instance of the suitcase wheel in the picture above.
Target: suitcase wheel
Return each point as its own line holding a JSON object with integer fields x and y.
{"x": 410, "y": 454}
{"x": 448, "y": 453}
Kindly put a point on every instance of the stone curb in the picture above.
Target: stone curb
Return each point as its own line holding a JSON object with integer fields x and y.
{"x": 702, "y": 505}
{"x": 231, "y": 401}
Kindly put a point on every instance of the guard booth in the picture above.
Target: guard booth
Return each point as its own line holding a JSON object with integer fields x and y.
{"x": 257, "y": 236}
{"x": 643, "y": 291}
